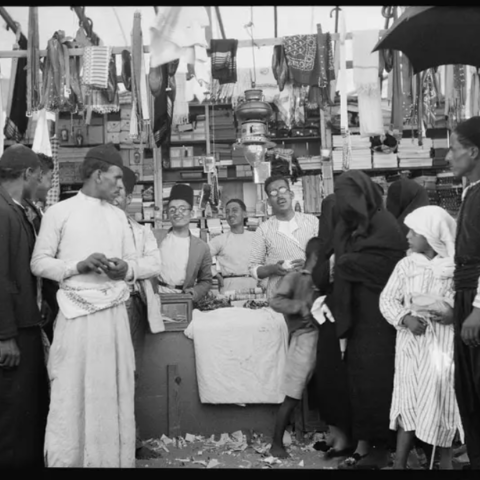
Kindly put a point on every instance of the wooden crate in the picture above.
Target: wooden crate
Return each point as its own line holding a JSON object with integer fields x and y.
{"x": 177, "y": 307}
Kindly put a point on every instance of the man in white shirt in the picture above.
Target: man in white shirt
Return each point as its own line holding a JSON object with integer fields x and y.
{"x": 279, "y": 243}
{"x": 85, "y": 244}
{"x": 232, "y": 250}
{"x": 141, "y": 292}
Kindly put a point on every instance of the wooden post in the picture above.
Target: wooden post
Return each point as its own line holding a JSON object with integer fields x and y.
{"x": 158, "y": 183}
{"x": 173, "y": 383}
{"x": 326, "y": 143}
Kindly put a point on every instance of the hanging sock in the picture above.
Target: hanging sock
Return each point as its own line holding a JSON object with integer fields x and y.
{"x": 53, "y": 195}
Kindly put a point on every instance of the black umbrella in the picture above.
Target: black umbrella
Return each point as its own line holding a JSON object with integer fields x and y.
{"x": 434, "y": 36}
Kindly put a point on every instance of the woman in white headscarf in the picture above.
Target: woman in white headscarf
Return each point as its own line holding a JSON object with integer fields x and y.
{"x": 418, "y": 302}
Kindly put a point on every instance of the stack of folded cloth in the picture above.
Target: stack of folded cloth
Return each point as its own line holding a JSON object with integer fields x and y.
{"x": 222, "y": 125}
{"x": 385, "y": 160}
{"x": 361, "y": 154}
{"x": 440, "y": 147}
{"x": 224, "y": 151}
{"x": 411, "y": 154}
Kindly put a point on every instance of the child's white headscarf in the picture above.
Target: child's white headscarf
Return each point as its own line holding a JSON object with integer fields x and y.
{"x": 437, "y": 226}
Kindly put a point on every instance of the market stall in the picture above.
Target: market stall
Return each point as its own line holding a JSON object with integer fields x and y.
{"x": 173, "y": 126}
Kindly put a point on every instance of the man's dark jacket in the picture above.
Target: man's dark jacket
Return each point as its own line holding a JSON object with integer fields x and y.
{"x": 18, "y": 286}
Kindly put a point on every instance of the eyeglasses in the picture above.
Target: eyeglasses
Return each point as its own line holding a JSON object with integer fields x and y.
{"x": 278, "y": 191}
{"x": 181, "y": 210}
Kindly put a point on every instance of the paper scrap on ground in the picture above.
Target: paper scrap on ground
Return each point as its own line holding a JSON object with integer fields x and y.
{"x": 190, "y": 438}
{"x": 287, "y": 439}
{"x": 213, "y": 463}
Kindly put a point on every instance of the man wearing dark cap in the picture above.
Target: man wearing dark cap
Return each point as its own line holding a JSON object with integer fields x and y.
{"x": 186, "y": 259}
{"x": 23, "y": 376}
{"x": 85, "y": 245}
{"x": 143, "y": 306}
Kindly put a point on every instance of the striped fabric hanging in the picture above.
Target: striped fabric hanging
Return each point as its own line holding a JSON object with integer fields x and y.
{"x": 96, "y": 62}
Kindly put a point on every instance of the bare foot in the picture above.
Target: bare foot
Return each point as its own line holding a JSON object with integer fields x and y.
{"x": 146, "y": 453}
{"x": 278, "y": 451}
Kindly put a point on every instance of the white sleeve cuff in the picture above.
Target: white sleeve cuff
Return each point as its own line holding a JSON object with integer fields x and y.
{"x": 130, "y": 278}
{"x": 253, "y": 272}
{"x": 70, "y": 270}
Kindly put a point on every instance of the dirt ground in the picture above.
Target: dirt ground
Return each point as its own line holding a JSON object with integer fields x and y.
{"x": 241, "y": 451}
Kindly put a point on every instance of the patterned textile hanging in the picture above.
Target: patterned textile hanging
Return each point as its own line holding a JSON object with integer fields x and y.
{"x": 429, "y": 99}
{"x": 53, "y": 195}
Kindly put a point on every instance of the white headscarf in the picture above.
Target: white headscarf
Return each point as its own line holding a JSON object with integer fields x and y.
{"x": 437, "y": 226}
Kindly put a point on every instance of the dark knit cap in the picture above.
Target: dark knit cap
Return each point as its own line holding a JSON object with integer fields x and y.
{"x": 129, "y": 180}
{"x": 19, "y": 157}
{"x": 106, "y": 153}
{"x": 180, "y": 191}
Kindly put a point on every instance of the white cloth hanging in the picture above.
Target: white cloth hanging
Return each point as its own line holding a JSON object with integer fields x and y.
{"x": 2, "y": 118}
{"x": 41, "y": 141}
{"x": 367, "y": 82}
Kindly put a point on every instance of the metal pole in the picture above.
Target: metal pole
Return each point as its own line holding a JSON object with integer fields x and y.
{"x": 275, "y": 17}
{"x": 220, "y": 22}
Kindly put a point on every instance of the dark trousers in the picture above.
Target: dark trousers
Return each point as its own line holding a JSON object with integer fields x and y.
{"x": 137, "y": 316}
{"x": 24, "y": 405}
{"x": 467, "y": 379}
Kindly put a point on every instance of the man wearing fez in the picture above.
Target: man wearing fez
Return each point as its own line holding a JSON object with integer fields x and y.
{"x": 143, "y": 307}
{"x": 85, "y": 244}
{"x": 186, "y": 259}
{"x": 23, "y": 375}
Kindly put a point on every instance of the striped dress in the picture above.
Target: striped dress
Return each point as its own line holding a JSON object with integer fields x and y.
{"x": 423, "y": 395}
{"x": 272, "y": 243}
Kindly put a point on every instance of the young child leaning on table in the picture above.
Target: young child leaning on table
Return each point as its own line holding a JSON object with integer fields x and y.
{"x": 294, "y": 298}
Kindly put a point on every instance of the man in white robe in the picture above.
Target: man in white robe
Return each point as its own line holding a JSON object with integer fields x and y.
{"x": 143, "y": 306}
{"x": 86, "y": 246}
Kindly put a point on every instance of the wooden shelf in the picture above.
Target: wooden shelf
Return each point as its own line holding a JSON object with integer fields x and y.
{"x": 396, "y": 169}
{"x": 295, "y": 139}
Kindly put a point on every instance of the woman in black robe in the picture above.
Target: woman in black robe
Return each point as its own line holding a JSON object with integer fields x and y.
{"x": 464, "y": 156}
{"x": 328, "y": 388}
{"x": 403, "y": 197}
{"x": 368, "y": 243}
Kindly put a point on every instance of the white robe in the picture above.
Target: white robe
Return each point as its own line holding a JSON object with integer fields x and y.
{"x": 91, "y": 366}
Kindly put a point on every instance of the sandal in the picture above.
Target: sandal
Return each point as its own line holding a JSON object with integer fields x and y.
{"x": 351, "y": 462}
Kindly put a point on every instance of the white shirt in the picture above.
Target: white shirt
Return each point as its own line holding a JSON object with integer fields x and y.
{"x": 232, "y": 251}
{"x": 174, "y": 252}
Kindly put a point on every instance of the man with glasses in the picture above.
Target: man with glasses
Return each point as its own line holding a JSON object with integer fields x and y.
{"x": 186, "y": 260}
{"x": 279, "y": 243}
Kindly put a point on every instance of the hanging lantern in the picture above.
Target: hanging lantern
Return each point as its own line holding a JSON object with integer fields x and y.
{"x": 254, "y": 114}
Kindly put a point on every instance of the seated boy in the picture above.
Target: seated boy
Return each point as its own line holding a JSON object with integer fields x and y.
{"x": 294, "y": 298}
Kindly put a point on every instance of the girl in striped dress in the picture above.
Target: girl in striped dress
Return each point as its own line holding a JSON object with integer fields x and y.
{"x": 418, "y": 302}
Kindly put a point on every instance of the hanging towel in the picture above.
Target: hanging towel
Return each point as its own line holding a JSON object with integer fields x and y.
{"x": 41, "y": 141}
{"x": 96, "y": 61}
{"x": 105, "y": 101}
{"x": 180, "y": 108}
{"x": 301, "y": 54}
{"x": 33, "y": 62}
{"x": 367, "y": 83}
{"x": 17, "y": 121}
{"x": 224, "y": 60}
{"x": 174, "y": 30}
{"x": 279, "y": 66}
{"x": 53, "y": 195}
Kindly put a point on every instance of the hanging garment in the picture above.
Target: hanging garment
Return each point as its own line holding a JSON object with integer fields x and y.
{"x": 224, "y": 60}
{"x": 17, "y": 121}
{"x": 468, "y": 91}
{"x": 180, "y": 108}
{"x": 429, "y": 99}
{"x": 365, "y": 76}
{"x": 301, "y": 55}
{"x": 163, "y": 104}
{"x": 279, "y": 66}
{"x": 326, "y": 68}
{"x": 33, "y": 62}
{"x": 283, "y": 103}
{"x": 397, "y": 95}
{"x": 53, "y": 195}
{"x": 105, "y": 101}
{"x": 96, "y": 61}
{"x": 41, "y": 141}
{"x": 127, "y": 69}
{"x": 407, "y": 79}
{"x": 175, "y": 33}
